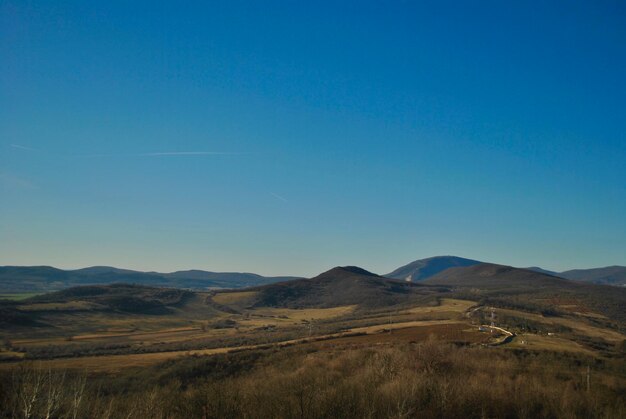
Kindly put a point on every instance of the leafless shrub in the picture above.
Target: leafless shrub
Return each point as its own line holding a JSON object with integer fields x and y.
{"x": 431, "y": 379}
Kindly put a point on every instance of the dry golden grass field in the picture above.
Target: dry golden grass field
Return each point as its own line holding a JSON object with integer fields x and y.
{"x": 153, "y": 339}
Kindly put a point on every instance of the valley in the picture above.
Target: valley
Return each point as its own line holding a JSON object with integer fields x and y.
{"x": 145, "y": 339}
{"x": 105, "y": 327}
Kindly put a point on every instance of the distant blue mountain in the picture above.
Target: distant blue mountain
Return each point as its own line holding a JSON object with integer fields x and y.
{"x": 425, "y": 268}
{"x": 610, "y": 275}
{"x": 14, "y": 279}
{"x": 422, "y": 269}
{"x": 543, "y": 271}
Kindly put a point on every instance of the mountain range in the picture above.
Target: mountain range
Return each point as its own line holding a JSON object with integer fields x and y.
{"x": 425, "y": 268}
{"x": 348, "y": 286}
{"x": 23, "y": 279}
{"x": 610, "y": 275}
{"x": 20, "y": 279}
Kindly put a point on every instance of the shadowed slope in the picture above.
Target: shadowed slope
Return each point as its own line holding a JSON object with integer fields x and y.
{"x": 337, "y": 287}
{"x": 542, "y": 271}
{"x": 119, "y": 297}
{"x": 489, "y": 275}
{"x": 533, "y": 288}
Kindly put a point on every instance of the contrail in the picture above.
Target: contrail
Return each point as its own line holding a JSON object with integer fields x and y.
{"x": 187, "y": 153}
{"x": 21, "y": 147}
{"x": 149, "y": 154}
{"x": 164, "y": 154}
{"x": 275, "y": 195}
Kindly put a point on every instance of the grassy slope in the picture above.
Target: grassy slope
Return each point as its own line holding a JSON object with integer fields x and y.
{"x": 339, "y": 287}
{"x": 536, "y": 290}
{"x": 126, "y": 319}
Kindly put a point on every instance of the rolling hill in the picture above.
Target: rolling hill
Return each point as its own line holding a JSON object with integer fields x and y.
{"x": 93, "y": 304}
{"x": 610, "y": 275}
{"x": 493, "y": 276}
{"x": 535, "y": 290}
{"x": 425, "y": 268}
{"x": 422, "y": 269}
{"x": 115, "y": 297}
{"x": 339, "y": 286}
{"x": 20, "y": 279}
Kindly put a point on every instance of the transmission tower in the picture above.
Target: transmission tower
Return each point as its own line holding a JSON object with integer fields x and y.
{"x": 493, "y": 319}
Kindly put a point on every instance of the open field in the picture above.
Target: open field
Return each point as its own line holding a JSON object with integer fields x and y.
{"x": 531, "y": 341}
{"x": 157, "y": 338}
{"x": 578, "y": 325}
{"x": 308, "y": 314}
{"x": 84, "y": 337}
{"x": 233, "y": 297}
{"x": 114, "y": 329}
{"x": 18, "y": 296}
{"x": 446, "y": 305}
{"x": 400, "y": 332}
{"x": 448, "y": 308}
{"x": 185, "y": 347}
{"x": 416, "y": 332}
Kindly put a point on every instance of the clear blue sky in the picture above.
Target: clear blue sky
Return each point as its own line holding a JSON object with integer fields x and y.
{"x": 290, "y": 137}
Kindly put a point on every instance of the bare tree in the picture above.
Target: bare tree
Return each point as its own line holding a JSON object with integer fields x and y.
{"x": 77, "y": 391}
{"x": 28, "y": 383}
{"x": 106, "y": 414}
{"x": 53, "y": 393}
